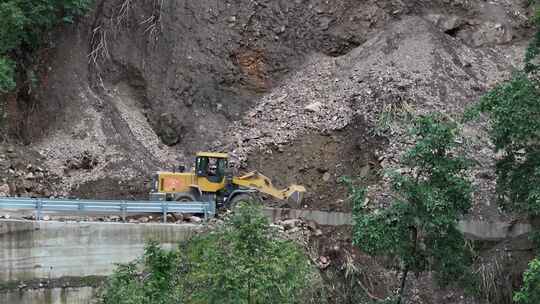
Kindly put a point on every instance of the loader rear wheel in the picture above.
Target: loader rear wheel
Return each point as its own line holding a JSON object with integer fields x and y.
{"x": 243, "y": 198}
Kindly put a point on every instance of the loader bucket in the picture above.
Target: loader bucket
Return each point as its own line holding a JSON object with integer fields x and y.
{"x": 296, "y": 193}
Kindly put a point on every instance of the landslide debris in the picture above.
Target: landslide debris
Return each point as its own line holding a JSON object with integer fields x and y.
{"x": 142, "y": 85}
{"x": 23, "y": 174}
{"x": 306, "y": 91}
{"x": 410, "y": 68}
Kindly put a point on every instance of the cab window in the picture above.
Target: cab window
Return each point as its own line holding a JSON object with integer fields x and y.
{"x": 211, "y": 168}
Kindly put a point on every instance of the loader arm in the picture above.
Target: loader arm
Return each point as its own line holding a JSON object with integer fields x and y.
{"x": 261, "y": 183}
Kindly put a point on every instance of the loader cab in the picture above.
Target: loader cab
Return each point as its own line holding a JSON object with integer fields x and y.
{"x": 210, "y": 170}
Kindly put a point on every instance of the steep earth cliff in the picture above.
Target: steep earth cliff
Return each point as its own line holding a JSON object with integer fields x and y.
{"x": 305, "y": 91}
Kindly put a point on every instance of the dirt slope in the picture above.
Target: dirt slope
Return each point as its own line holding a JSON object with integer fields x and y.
{"x": 306, "y": 91}
{"x": 140, "y": 85}
{"x": 410, "y": 68}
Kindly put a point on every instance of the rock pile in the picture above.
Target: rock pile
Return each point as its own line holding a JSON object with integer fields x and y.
{"x": 412, "y": 68}
{"x": 23, "y": 174}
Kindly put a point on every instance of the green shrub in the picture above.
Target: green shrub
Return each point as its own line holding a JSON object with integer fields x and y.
{"x": 12, "y": 24}
{"x": 514, "y": 111}
{"x": 530, "y": 291}
{"x": 241, "y": 262}
{"x": 7, "y": 71}
{"x": 420, "y": 225}
{"x": 23, "y": 26}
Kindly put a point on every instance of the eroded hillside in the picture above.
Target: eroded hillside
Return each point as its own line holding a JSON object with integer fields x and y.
{"x": 306, "y": 91}
{"x": 297, "y": 89}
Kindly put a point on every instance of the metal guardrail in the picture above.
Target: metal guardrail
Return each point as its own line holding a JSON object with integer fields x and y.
{"x": 41, "y": 205}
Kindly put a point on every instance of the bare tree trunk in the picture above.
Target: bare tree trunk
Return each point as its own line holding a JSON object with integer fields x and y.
{"x": 414, "y": 237}
{"x": 403, "y": 282}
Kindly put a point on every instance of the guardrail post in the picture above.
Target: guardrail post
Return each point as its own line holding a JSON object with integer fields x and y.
{"x": 38, "y": 209}
{"x": 212, "y": 208}
{"x": 205, "y": 214}
{"x": 123, "y": 209}
{"x": 164, "y": 207}
{"x": 80, "y": 207}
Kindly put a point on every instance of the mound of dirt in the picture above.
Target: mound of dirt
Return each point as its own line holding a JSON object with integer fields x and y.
{"x": 318, "y": 161}
{"x": 410, "y": 68}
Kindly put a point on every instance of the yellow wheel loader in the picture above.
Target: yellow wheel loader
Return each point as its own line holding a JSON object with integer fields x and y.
{"x": 210, "y": 181}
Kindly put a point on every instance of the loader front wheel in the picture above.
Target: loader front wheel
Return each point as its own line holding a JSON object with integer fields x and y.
{"x": 243, "y": 198}
{"x": 184, "y": 198}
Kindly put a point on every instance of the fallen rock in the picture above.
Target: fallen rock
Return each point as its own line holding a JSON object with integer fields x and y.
{"x": 169, "y": 129}
{"x": 489, "y": 33}
{"x": 178, "y": 217}
{"x": 290, "y": 224}
{"x": 326, "y": 176}
{"x": 195, "y": 219}
{"x": 313, "y": 107}
{"x": 322, "y": 170}
{"x": 85, "y": 161}
{"x": 4, "y": 190}
{"x": 311, "y": 225}
{"x": 115, "y": 218}
{"x": 446, "y": 23}
{"x": 323, "y": 262}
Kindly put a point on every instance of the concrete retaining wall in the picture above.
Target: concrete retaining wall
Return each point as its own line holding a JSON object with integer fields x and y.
{"x": 492, "y": 231}
{"x": 32, "y": 250}
{"x": 320, "y": 217}
{"x": 472, "y": 229}
{"x": 81, "y": 295}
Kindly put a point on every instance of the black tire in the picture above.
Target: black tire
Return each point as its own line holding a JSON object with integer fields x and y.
{"x": 243, "y": 198}
{"x": 184, "y": 198}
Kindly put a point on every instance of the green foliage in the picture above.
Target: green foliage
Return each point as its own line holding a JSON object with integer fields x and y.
{"x": 242, "y": 262}
{"x": 7, "y": 70}
{"x": 419, "y": 227}
{"x": 12, "y": 22}
{"x": 530, "y": 291}
{"x": 24, "y": 24}
{"x": 534, "y": 237}
{"x": 514, "y": 110}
